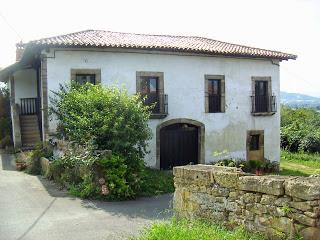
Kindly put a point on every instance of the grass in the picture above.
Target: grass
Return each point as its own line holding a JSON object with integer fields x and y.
{"x": 193, "y": 230}
{"x": 299, "y": 164}
{"x": 156, "y": 182}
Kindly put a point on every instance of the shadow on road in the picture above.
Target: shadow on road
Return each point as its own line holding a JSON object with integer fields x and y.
{"x": 158, "y": 207}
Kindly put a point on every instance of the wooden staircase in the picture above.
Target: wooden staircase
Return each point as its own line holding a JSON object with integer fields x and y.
{"x": 30, "y": 133}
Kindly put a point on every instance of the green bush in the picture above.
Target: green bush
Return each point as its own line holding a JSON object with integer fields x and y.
{"x": 155, "y": 182}
{"x": 5, "y": 118}
{"x": 250, "y": 166}
{"x": 93, "y": 175}
{"x": 109, "y": 118}
{"x": 311, "y": 142}
{"x": 300, "y": 129}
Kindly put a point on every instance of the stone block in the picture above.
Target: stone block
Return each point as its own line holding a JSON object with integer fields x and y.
{"x": 251, "y": 198}
{"x": 303, "y": 206}
{"x": 233, "y": 195}
{"x": 282, "y": 224}
{"x": 303, "y": 219}
{"x": 282, "y": 201}
{"x": 216, "y": 191}
{"x": 268, "y": 199}
{"x": 227, "y": 179}
{"x": 310, "y": 233}
{"x": 307, "y": 188}
{"x": 264, "y": 220}
{"x": 271, "y": 185}
{"x": 248, "y": 215}
{"x": 311, "y": 214}
{"x": 259, "y": 209}
{"x": 45, "y": 166}
{"x": 200, "y": 175}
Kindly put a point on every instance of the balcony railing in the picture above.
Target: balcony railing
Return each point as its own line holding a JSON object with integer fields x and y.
{"x": 29, "y": 106}
{"x": 214, "y": 103}
{"x": 263, "y": 104}
{"x": 159, "y": 103}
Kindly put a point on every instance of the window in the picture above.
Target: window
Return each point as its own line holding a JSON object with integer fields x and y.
{"x": 262, "y": 99}
{"x": 254, "y": 142}
{"x": 255, "y": 145}
{"x": 83, "y": 76}
{"x": 214, "y": 93}
{"x": 150, "y": 86}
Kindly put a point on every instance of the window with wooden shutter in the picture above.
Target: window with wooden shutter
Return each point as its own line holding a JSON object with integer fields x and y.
{"x": 214, "y": 93}
{"x": 150, "y": 85}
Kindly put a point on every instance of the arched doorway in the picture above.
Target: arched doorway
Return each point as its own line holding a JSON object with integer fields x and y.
{"x": 180, "y": 142}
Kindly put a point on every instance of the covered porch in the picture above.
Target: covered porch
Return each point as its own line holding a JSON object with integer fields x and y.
{"x": 24, "y": 80}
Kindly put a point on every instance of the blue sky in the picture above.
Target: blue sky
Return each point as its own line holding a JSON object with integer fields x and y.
{"x": 287, "y": 25}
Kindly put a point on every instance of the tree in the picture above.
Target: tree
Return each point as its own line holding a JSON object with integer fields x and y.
{"x": 5, "y": 118}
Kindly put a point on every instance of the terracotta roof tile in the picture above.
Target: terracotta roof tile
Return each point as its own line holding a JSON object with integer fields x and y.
{"x": 105, "y": 39}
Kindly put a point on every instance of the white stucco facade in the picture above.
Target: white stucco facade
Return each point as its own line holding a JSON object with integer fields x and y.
{"x": 25, "y": 84}
{"x": 184, "y": 83}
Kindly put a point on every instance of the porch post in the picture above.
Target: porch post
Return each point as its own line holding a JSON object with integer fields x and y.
{"x": 44, "y": 99}
{"x": 15, "y": 118}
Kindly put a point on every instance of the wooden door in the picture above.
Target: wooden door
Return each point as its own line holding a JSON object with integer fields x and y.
{"x": 178, "y": 145}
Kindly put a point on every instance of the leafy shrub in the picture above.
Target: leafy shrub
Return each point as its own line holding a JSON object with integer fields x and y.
{"x": 110, "y": 116}
{"x": 110, "y": 119}
{"x": 300, "y": 129}
{"x": 93, "y": 175}
{"x": 5, "y": 118}
{"x": 250, "y": 166}
{"x": 311, "y": 142}
{"x": 155, "y": 182}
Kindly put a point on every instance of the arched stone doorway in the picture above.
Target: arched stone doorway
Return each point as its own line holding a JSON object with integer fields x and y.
{"x": 180, "y": 142}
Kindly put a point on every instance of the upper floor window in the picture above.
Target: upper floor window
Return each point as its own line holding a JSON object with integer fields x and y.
{"x": 215, "y": 93}
{"x": 262, "y": 99}
{"x": 82, "y": 76}
{"x": 151, "y": 87}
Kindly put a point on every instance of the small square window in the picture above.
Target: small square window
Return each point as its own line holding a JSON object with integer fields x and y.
{"x": 254, "y": 142}
{"x": 84, "y": 78}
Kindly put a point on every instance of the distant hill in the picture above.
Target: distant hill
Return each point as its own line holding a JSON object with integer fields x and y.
{"x": 298, "y": 100}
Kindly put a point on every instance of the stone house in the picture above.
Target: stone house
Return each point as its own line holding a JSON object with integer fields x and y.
{"x": 210, "y": 96}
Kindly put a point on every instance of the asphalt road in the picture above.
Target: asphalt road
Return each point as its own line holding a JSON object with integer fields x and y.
{"x": 33, "y": 208}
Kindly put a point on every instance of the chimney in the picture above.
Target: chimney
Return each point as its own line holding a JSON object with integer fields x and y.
{"x": 19, "y": 51}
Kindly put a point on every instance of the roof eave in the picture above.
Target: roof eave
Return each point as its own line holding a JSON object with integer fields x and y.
{"x": 281, "y": 58}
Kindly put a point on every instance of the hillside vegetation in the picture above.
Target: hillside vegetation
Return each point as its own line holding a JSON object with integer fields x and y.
{"x": 300, "y": 130}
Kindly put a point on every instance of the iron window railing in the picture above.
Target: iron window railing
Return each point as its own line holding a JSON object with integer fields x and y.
{"x": 263, "y": 104}
{"x": 214, "y": 103}
{"x": 29, "y": 106}
{"x": 158, "y": 101}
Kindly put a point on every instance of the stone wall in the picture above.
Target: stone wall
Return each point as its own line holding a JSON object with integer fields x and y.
{"x": 276, "y": 206}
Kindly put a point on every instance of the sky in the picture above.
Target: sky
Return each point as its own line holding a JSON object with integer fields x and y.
{"x": 291, "y": 26}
